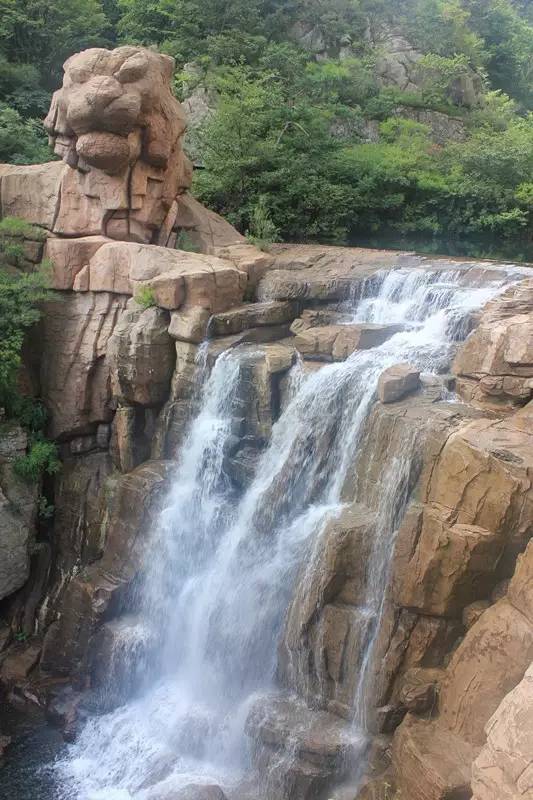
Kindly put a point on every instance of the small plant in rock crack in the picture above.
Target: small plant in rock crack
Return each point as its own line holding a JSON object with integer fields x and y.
{"x": 145, "y": 297}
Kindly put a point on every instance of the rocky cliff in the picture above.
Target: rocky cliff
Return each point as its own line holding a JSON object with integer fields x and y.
{"x": 118, "y": 364}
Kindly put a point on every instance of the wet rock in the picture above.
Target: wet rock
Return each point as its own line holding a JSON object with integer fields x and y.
{"x": 297, "y": 750}
{"x": 83, "y": 597}
{"x": 337, "y": 342}
{"x": 430, "y": 762}
{"x": 503, "y": 770}
{"x": 315, "y": 272}
{"x": 131, "y": 436}
{"x": 197, "y": 791}
{"x": 172, "y": 420}
{"x": 18, "y": 662}
{"x": 397, "y": 381}
{"x": 63, "y": 711}
{"x": 321, "y": 648}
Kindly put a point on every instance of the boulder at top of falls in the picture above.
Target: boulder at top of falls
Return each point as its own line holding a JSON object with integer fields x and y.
{"x": 397, "y": 381}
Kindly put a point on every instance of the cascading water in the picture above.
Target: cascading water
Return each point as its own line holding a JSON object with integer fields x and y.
{"x": 221, "y": 569}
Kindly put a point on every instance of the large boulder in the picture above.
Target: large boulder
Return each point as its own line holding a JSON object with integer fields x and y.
{"x": 430, "y": 762}
{"x": 175, "y": 278}
{"x": 452, "y": 564}
{"x": 141, "y": 356}
{"x": 488, "y": 663}
{"x": 75, "y": 375}
{"x": 495, "y": 364}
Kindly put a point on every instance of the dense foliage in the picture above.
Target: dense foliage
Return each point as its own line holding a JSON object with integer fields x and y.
{"x": 21, "y": 292}
{"x": 306, "y": 139}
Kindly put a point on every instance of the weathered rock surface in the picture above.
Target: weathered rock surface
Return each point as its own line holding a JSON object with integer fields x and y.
{"x": 430, "y": 762}
{"x": 18, "y": 512}
{"x": 132, "y": 500}
{"x": 397, "y": 381}
{"x": 337, "y": 342}
{"x": 75, "y": 375}
{"x": 452, "y": 565}
{"x": 504, "y": 768}
{"x": 495, "y": 364}
{"x": 140, "y": 356}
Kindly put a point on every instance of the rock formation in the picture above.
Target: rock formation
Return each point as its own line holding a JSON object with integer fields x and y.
{"x": 119, "y": 348}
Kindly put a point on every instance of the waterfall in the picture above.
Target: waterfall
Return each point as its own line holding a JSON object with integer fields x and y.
{"x": 221, "y": 569}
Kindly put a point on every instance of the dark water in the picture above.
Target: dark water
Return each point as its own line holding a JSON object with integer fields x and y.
{"x": 515, "y": 251}
{"x": 34, "y": 744}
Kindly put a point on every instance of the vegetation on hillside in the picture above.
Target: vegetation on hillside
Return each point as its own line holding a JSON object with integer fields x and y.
{"x": 305, "y": 133}
{"x": 22, "y": 289}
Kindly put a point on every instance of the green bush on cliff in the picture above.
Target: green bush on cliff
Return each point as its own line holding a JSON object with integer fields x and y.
{"x": 21, "y": 293}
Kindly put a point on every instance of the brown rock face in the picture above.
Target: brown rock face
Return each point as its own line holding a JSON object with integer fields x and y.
{"x": 452, "y": 565}
{"x": 75, "y": 376}
{"x": 18, "y": 511}
{"x": 140, "y": 356}
{"x": 504, "y": 768}
{"x": 495, "y": 364}
{"x": 397, "y": 381}
{"x": 430, "y": 762}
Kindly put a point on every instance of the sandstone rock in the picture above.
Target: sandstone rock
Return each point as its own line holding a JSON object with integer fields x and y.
{"x": 452, "y": 565}
{"x": 171, "y": 423}
{"x": 430, "y": 762}
{"x": 315, "y": 272}
{"x": 484, "y": 475}
{"x": 473, "y": 611}
{"x": 140, "y": 356}
{"x": 497, "y": 359}
{"x": 321, "y": 648}
{"x": 131, "y": 436}
{"x": 251, "y": 315}
{"x": 189, "y": 325}
{"x": 176, "y": 278}
{"x": 321, "y": 746}
{"x": 80, "y": 507}
{"x": 206, "y": 230}
{"x": 520, "y": 592}
{"x": 488, "y": 663}
{"x": 69, "y": 256}
{"x": 18, "y": 512}
{"x": 397, "y": 381}
{"x": 31, "y": 192}
{"x": 419, "y": 689}
{"x": 80, "y": 601}
{"x": 18, "y": 663}
{"x": 503, "y": 770}
{"x": 74, "y": 373}
{"x": 248, "y": 259}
